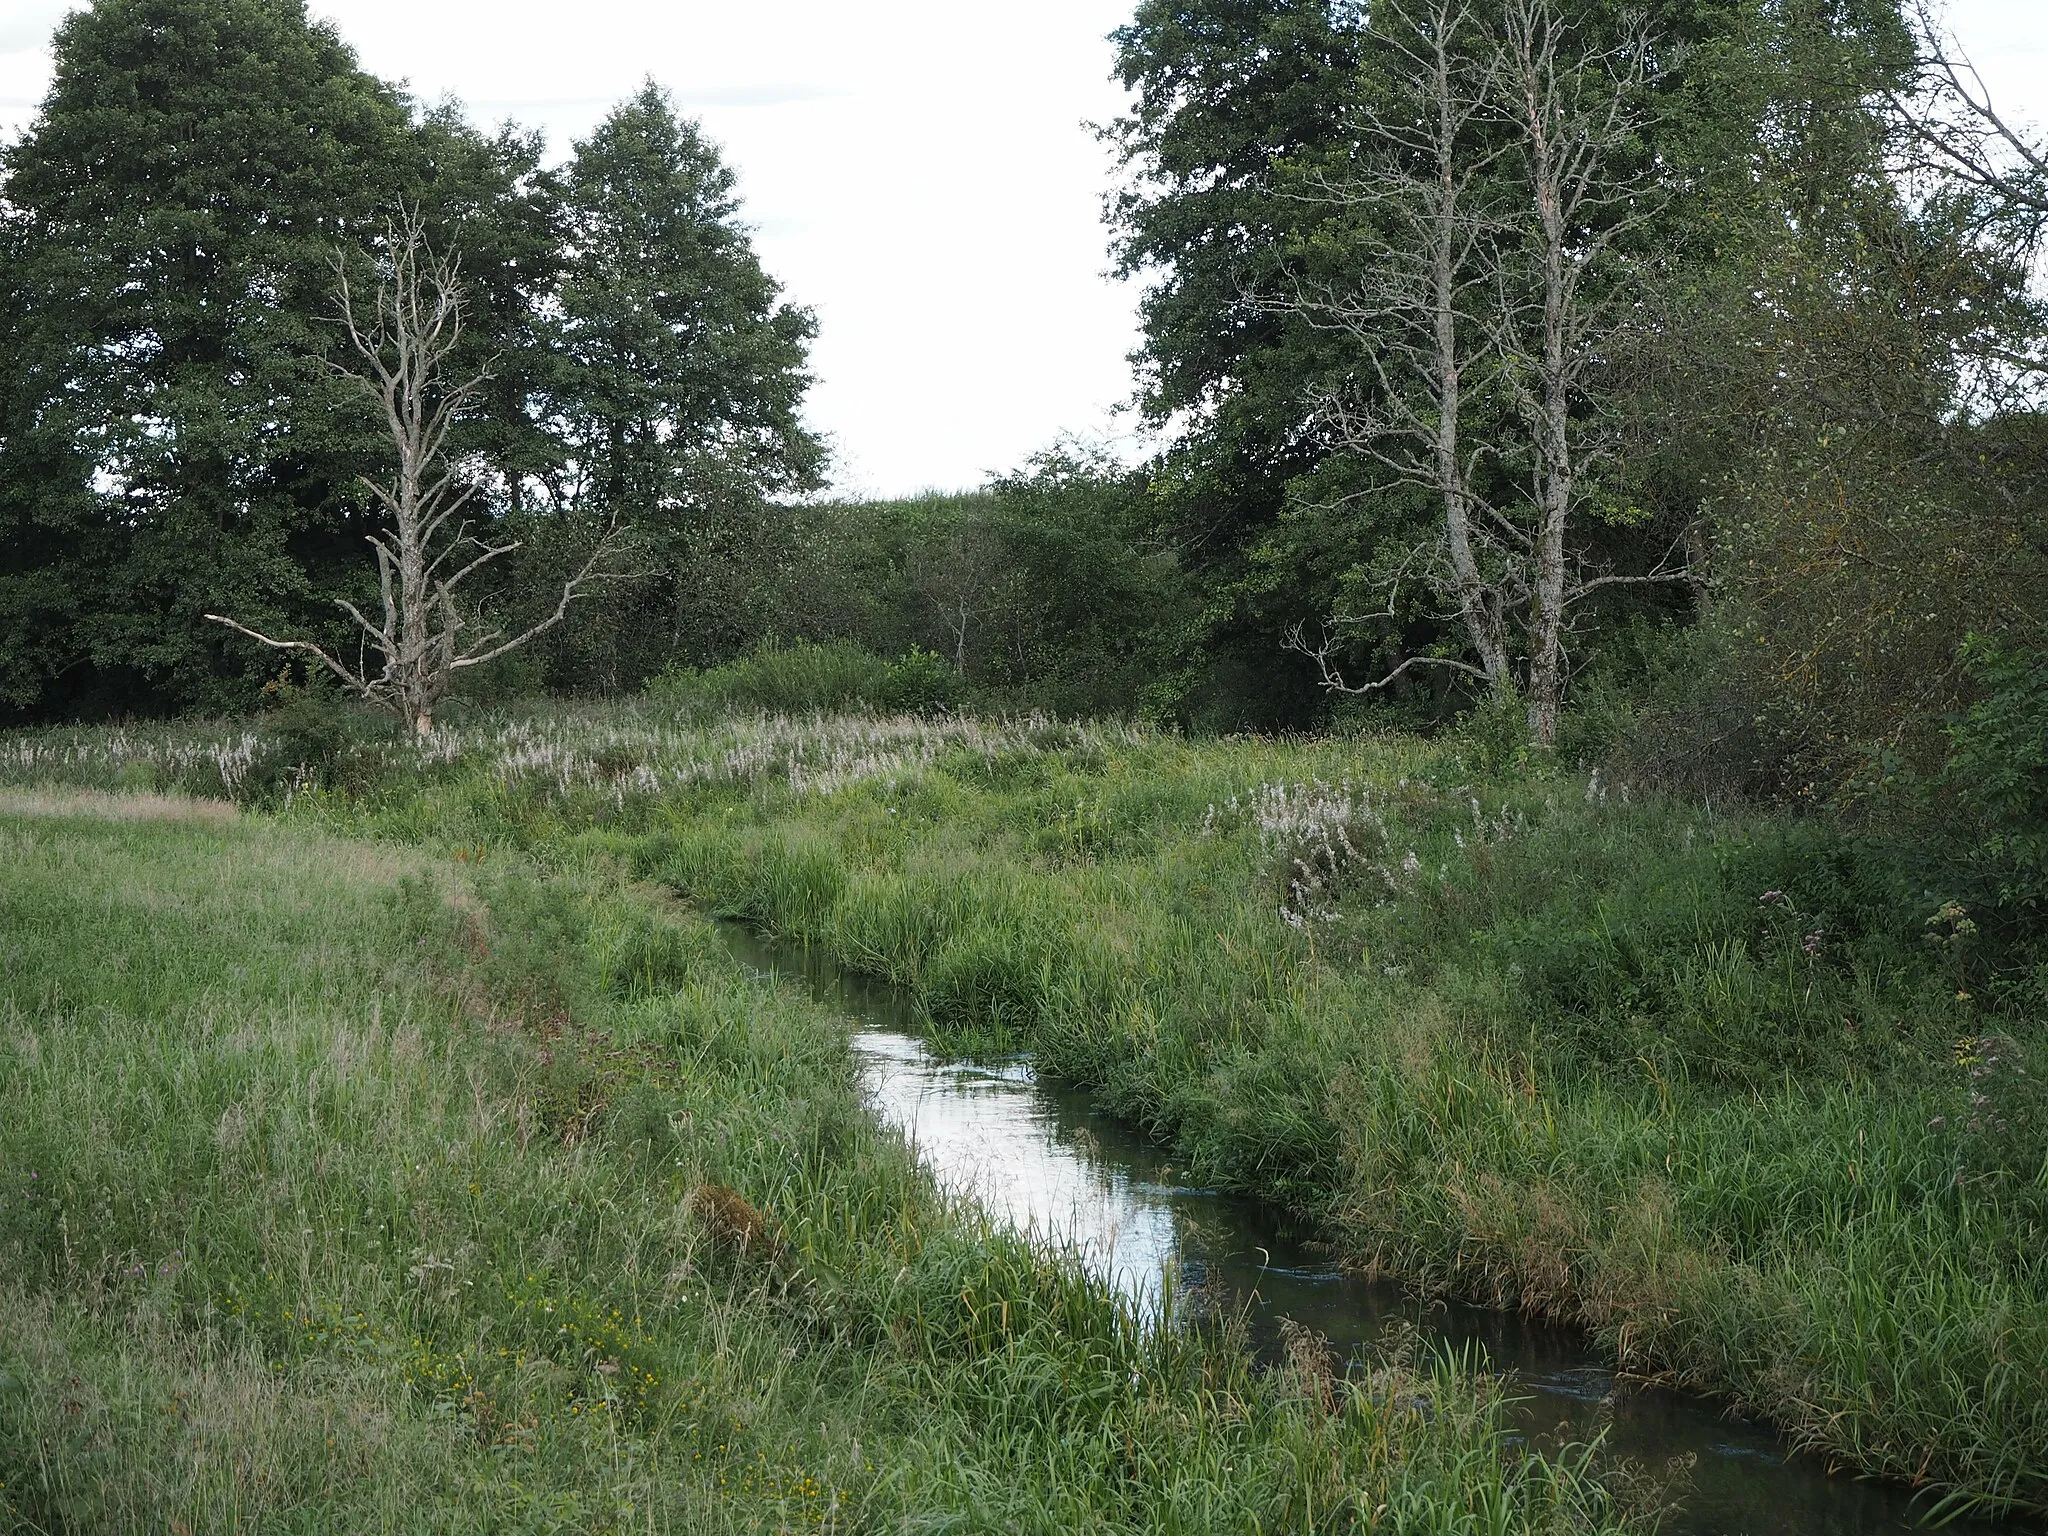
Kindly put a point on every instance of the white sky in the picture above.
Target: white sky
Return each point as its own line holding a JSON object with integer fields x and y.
{"x": 916, "y": 170}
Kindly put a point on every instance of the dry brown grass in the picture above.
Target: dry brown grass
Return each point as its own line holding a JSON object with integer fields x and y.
{"x": 102, "y": 806}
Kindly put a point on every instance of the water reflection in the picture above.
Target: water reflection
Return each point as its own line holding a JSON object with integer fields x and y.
{"x": 1045, "y": 1160}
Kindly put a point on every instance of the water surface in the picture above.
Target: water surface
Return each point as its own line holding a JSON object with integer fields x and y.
{"x": 1045, "y": 1160}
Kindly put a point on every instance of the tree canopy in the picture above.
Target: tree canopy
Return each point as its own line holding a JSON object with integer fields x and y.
{"x": 174, "y": 438}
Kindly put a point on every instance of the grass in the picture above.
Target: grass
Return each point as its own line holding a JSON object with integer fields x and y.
{"x": 1742, "y": 1095}
{"x": 1738, "y": 1094}
{"x": 1696, "y": 1085}
{"x": 423, "y": 1185}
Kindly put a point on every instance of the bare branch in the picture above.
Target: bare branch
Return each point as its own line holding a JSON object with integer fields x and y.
{"x": 307, "y": 646}
{"x": 1333, "y": 679}
{"x": 572, "y": 590}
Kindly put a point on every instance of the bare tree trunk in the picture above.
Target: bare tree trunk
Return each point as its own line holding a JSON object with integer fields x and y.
{"x": 955, "y": 619}
{"x": 1573, "y": 112}
{"x": 1533, "y": 64}
{"x": 1408, "y": 310}
{"x": 1452, "y": 241}
{"x": 405, "y": 344}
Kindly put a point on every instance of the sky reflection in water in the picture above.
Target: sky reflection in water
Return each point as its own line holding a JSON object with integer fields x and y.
{"x": 1044, "y": 1160}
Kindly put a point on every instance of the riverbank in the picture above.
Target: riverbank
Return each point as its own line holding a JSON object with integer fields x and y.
{"x": 1720, "y": 1088}
{"x": 359, "y": 1185}
{"x": 1690, "y": 1083}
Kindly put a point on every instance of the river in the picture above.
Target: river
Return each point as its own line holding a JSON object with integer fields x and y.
{"x": 1044, "y": 1159}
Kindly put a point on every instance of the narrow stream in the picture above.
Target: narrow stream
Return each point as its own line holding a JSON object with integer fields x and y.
{"x": 1046, "y": 1160}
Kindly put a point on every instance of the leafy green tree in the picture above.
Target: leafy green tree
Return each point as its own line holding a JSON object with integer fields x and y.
{"x": 676, "y": 402}
{"x": 1223, "y": 91}
{"x": 493, "y": 199}
{"x": 174, "y": 439}
{"x": 688, "y": 370}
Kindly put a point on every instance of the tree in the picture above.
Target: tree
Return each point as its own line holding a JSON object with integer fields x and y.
{"x": 1839, "y": 380}
{"x": 1958, "y": 132}
{"x": 1491, "y": 194}
{"x": 173, "y": 440}
{"x": 1280, "y": 512}
{"x": 1221, "y": 91}
{"x": 686, "y": 369}
{"x": 1422, "y": 218}
{"x": 960, "y": 572}
{"x": 675, "y": 406}
{"x": 414, "y": 328}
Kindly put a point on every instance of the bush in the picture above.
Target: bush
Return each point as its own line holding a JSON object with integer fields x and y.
{"x": 921, "y": 682}
{"x": 1998, "y": 768}
{"x": 802, "y": 679}
{"x": 312, "y": 736}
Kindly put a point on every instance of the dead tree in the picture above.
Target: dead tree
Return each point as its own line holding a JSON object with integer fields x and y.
{"x": 409, "y": 659}
{"x": 959, "y": 576}
{"x": 1494, "y": 196}
{"x": 1419, "y": 201}
{"x": 1574, "y": 115}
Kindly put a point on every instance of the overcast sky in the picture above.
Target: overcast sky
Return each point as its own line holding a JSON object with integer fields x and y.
{"x": 918, "y": 171}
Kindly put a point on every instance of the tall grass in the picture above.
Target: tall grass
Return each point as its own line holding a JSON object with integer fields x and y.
{"x": 1739, "y": 1094}
{"x": 1701, "y": 1087}
{"x": 355, "y": 1186}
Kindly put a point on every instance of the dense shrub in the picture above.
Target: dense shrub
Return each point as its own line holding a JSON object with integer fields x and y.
{"x": 805, "y": 678}
{"x": 1998, "y": 768}
{"x": 313, "y": 736}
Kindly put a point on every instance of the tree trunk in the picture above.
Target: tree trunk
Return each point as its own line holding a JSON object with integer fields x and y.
{"x": 1449, "y": 228}
{"x": 1556, "y": 472}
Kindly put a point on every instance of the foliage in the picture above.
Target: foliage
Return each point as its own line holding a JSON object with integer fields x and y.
{"x": 312, "y": 736}
{"x": 1838, "y": 508}
{"x": 682, "y": 368}
{"x": 1997, "y": 768}
{"x": 173, "y": 440}
{"x": 807, "y": 678}
{"x": 1042, "y": 591}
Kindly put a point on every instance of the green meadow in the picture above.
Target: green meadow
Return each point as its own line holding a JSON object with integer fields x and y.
{"x": 425, "y": 1186}
{"x": 1713, "y": 1085}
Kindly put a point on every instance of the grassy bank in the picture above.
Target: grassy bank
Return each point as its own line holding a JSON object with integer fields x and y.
{"x": 1722, "y": 1092}
{"x": 362, "y": 1186}
{"x": 1733, "y": 1092}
